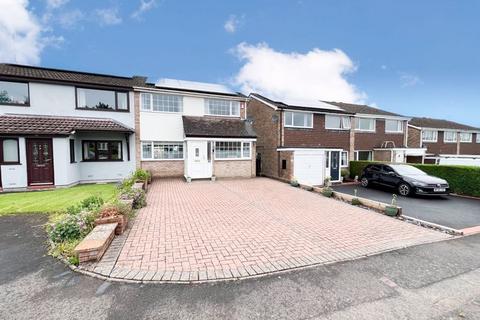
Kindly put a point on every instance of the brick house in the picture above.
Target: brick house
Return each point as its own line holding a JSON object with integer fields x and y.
{"x": 60, "y": 127}
{"x": 447, "y": 142}
{"x": 192, "y": 129}
{"x": 314, "y": 140}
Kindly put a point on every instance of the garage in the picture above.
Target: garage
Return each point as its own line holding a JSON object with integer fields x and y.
{"x": 309, "y": 166}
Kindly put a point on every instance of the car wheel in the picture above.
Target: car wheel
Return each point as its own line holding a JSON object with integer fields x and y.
{"x": 404, "y": 189}
{"x": 364, "y": 182}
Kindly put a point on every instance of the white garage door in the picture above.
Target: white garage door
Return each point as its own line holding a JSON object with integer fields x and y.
{"x": 309, "y": 167}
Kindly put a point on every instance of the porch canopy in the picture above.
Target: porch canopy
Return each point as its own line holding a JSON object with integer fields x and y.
{"x": 206, "y": 127}
{"x": 57, "y": 125}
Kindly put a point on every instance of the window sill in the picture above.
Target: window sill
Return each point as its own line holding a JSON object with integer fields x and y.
{"x": 394, "y": 132}
{"x": 103, "y": 110}
{"x": 295, "y": 127}
{"x": 10, "y": 164}
{"x": 102, "y": 160}
{"x": 166, "y": 112}
{"x": 162, "y": 159}
{"x": 221, "y": 115}
{"x": 337, "y": 129}
{"x": 233, "y": 159}
{"x": 15, "y": 104}
{"x": 365, "y": 131}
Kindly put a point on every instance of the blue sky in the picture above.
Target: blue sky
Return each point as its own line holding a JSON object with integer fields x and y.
{"x": 418, "y": 58}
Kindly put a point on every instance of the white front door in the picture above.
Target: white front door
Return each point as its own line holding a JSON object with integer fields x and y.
{"x": 199, "y": 159}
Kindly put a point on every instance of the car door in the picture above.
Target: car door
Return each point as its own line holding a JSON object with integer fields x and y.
{"x": 373, "y": 173}
{"x": 389, "y": 177}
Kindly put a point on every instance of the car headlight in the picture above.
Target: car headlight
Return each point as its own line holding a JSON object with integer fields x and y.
{"x": 419, "y": 184}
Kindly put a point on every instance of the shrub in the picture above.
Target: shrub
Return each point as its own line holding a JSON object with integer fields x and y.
{"x": 463, "y": 180}
{"x": 92, "y": 203}
{"x": 141, "y": 174}
{"x": 345, "y": 173}
{"x": 137, "y": 195}
{"x": 71, "y": 227}
{"x": 126, "y": 184}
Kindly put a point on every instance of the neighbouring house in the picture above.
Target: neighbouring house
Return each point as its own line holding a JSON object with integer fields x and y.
{"x": 447, "y": 142}
{"x": 381, "y": 135}
{"x": 195, "y": 130}
{"x": 60, "y": 127}
{"x": 309, "y": 141}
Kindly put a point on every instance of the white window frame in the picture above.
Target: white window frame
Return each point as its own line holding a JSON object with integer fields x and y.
{"x": 231, "y": 102}
{"x": 357, "y": 123}
{"x": 305, "y": 114}
{"x": 343, "y": 122}
{"x": 152, "y": 158}
{"x": 150, "y": 109}
{"x": 435, "y": 136}
{"x": 242, "y": 144}
{"x": 445, "y": 136}
{"x": 342, "y": 165}
{"x": 465, "y": 133}
{"x": 369, "y": 151}
{"x": 399, "y": 126}
{"x": 478, "y": 137}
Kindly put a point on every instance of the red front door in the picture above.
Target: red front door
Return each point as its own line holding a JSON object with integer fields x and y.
{"x": 40, "y": 161}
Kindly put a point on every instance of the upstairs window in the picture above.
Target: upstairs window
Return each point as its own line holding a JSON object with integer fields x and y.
{"x": 298, "y": 119}
{"x": 94, "y": 99}
{"x": 478, "y": 137}
{"x": 219, "y": 107}
{"x": 365, "y": 124}
{"x": 161, "y": 102}
{"x": 466, "y": 137}
{"x": 449, "y": 136}
{"x": 429, "y": 136}
{"x": 337, "y": 122}
{"x": 14, "y": 93}
{"x": 9, "y": 151}
{"x": 393, "y": 126}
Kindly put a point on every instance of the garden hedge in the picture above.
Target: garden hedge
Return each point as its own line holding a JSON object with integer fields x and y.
{"x": 463, "y": 180}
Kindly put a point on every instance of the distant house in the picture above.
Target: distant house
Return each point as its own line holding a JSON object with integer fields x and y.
{"x": 446, "y": 141}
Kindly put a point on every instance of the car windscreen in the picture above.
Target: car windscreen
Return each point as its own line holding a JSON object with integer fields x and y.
{"x": 407, "y": 170}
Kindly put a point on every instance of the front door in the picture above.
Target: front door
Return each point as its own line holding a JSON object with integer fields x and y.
{"x": 40, "y": 161}
{"x": 199, "y": 157}
{"x": 335, "y": 165}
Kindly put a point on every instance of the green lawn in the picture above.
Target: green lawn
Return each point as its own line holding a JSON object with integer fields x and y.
{"x": 53, "y": 200}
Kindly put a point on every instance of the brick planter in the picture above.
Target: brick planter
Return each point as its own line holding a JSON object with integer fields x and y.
{"x": 121, "y": 220}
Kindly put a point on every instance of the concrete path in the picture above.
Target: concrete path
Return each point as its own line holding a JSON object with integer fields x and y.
{"x": 433, "y": 281}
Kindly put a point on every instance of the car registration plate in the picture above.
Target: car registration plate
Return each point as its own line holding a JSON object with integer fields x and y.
{"x": 439, "y": 190}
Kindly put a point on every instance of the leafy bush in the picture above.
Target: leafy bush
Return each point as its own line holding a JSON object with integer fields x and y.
{"x": 463, "y": 180}
{"x": 126, "y": 184}
{"x": 137, "y": 195}
{"x": 141, "y": 174}
{"x": 92, "y": 203}
{"x": 71, "y": 227}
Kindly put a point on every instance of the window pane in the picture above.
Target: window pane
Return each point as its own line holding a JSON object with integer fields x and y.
{"x": 235, "y": 108}
{"x": 366, "y": 124}
{"x": 393, "y": 126}
{"x": 364, "y": 155}
{"x": 246, "y": 149}
{"x": 299, "y": 119}
{"x": 344, "y": 159}
{"x": 167, "y": 103}
{"x": 333, "y": 122}
{"x": 96, "y": 99}
{"x": 478, "y": 137}
{"x": 122, "y": 101}
{"x": 346, "y": 123}
{"x": 13, "y": 93}
{"x": 429, "y": 135}
{"x": 228, "y": 150}
{"x": 162, "y": 150}
{"x": 89, "y": 150}
{"x": 146, "y": 103}
{"x": 220, "y": 107}
{"x": 146, "y": 150}
{"x": 115, "y": 150}
{"x": 10, "y": 150}
{"x": 450, "y": 136}
{"x": 465, "y": 137}
{"x": 102, "y": 150}
{"x": 289, "y": 118}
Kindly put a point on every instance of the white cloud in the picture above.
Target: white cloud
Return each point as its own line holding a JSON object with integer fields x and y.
{"x": 232, "y": 24}
{"x": 145, "y": 5}
{"x": 70, "y": 19}
{"x": 409, "y": 80}
{"x": 20, "y": 33}
{"x": 317, "y": 74}
{"x": 108, "y": 16}
{"x": 53, "y": 4}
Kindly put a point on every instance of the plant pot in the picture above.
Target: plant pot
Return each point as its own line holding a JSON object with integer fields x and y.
{"x": 121, "y": 220}
{"x": 327, "y": 193}
{"x": 356, "y": 202}
{"x": 391, "y": 211}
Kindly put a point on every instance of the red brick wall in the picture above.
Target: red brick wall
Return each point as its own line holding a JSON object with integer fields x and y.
{"x": 371, "y": 140}
{"x": 318, "y": 136}
{"x": 414, "y": 137}
{"x": 470, "y": 148}
{"x": 440, "y": 147}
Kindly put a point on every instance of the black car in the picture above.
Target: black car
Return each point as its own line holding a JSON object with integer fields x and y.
{"x": 406, "y": 179}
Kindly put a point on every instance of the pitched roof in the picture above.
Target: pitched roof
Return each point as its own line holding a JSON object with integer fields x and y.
{"x": 15, "y": 71}
{"x": 440, "y": 124}
{"x": 217, "y": 127}
{"x": 54, "y": 125}
{"x": 318, "y": 106}
{"x": 362, "y": 109}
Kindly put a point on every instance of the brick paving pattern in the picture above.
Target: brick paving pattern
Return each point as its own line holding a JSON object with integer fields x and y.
{"x": 239, "y": 228}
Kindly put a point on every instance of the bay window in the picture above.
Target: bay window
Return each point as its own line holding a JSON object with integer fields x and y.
{"x": 449, "y": 136}
{"x": 465, "y": 137}
{"x": 220, "y": 107}
{"x": 102, "y": 151}
{"x": 9, "y": 151}
{"x": 155, "y": 150}
{"x": 365, "y": 124}
{"x": 429, "y": 135}
{"x": 393, "y": 126}
{"x": 337, "y": 122}
{"x": 298, "y": 119}
{"x": 107, "y": 100}
{"x": 161, "y": 102}
{"x": 14, "y": 93}
{"x": 232, "y": 150}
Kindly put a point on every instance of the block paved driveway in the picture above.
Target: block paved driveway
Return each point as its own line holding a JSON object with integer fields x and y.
{"x": 238, "y": 228}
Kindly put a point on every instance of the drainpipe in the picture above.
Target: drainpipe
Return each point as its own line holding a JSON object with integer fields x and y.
{"x": 458, "y": 142}
{"x": 352, "y": 139}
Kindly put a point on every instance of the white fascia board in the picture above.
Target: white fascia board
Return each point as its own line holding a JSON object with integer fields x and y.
{"x": 274, "y": 107}
{"x": 190, "y": 94}
{"x": 220, "y": 139}
{"x": 476, "y": 156}
{"x": 320, "y": 112}
{"x": 377, "y": 116}
{"x": 309, "y": 149}
{"x": 453, "y": 130}
{"x": 415, "y": 127}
